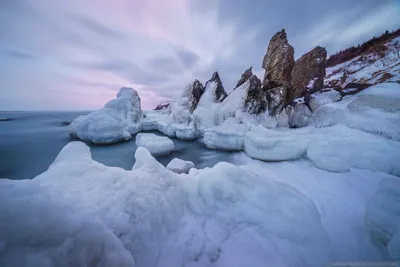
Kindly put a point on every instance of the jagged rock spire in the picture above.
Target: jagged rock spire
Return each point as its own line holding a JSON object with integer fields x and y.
{"x": 220, "y": 93}
{"x": 308, "y": 73}
{"x": 245, "y": 76}
{"x": 255, "y": 101}
{"x": 278, "y": 64}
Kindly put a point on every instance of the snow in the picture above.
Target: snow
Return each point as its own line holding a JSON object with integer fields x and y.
{"x": 341, "y": 199}
{"x": 298, "y": 116}
{"x": 227, "y": 136}
{"x": 157, "y": 145}
{"x": 117, "y": 121}
{"x": 204, "y": 113}
{"x": 324, "y": 97}
{"x": 340, "y": 148}
{"x": 383, "y": 215}
{"x": 376, "y": 110}
{"x": 269, "y": 145}
{"x": 369, "y": 68}
{"x": 41, "y": 229}
{"x": 232, "y": 103}
{"x": 180, "y": 166}
{"x": 222, "y": 216}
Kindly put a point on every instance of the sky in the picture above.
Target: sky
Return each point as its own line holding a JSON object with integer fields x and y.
{"x": 75, "y": 55}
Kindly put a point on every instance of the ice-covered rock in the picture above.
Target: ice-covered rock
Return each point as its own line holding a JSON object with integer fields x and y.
{"x": 219, "y": 93}
{"x": 117, "y": 121}
{"x": 383, "y": 216}
{"x": 269, "y": 145}
{"x": 323, "y": 97}
{"x": 157, "y": 145}
{"x": 326, "y": 116}
{"x": 299, "y": 115}
{"x": 375, "y": 110}
{"x": 308, "y": 73}
{"x": 227, "y": 136}
{"x": 338, "y": 149}
{"x": 233, "y": 103}
{"x": 256, "y": 100}
{"x": 204, "y": 114}
{"x": 180, "y": 166}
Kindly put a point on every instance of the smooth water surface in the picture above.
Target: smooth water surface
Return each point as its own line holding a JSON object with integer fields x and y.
{"x": 30, "y": 141}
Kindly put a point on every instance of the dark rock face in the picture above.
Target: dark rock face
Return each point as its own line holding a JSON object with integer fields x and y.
{"x": 220, "y": 93}
{"x": 163, "y": 105}
{"x": 308, "y": 74}
{"x": 245, "y": 76}
{"x": 196, "y": 91}
{"x": 278, "y": 61}
{"x": 278, "y": 64}
{"x": 277, "y": 99}
{"x": 255, "y": 101}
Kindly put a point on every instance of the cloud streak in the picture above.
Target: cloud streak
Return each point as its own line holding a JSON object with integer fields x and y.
{"x": 83, "y": 51}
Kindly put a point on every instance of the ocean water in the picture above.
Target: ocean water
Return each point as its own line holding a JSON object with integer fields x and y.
{"x": 30, "y": 141}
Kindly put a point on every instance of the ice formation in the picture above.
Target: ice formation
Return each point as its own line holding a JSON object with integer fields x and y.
{"x": 82, "y": 213}
{"x": 156, "y": 145}
{"x": 383, "y": 216}
{"x": 118, "y": 120}
{"x": 180, "y": 166}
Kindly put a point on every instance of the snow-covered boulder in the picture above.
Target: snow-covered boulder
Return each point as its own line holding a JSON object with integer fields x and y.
{"x": 299, "y": 115}
{"x": 227, "y": 136}
{"x": 117, "y": 121}
{"x": 157, "y": 145}
{"x": 269, "y": 145}
{"x": 383, "y": 216}
{"x": 324, "y": 97}
{"x": 180, "y": 166}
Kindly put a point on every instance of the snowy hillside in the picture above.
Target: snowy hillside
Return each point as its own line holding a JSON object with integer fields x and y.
{"x": 371, "y": 68}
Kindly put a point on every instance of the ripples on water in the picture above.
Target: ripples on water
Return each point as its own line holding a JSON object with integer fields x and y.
{"x": 30, "y": 142}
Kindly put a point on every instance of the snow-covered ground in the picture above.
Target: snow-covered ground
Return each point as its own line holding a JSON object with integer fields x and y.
{"x": 82, "y": 213}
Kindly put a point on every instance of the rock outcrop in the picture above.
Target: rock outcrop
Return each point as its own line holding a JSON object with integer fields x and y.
{"x": 245, "y": 76}
{"x": 255, "y": 101}
{"x": 195, "y": 90}
{"x": 278, "y": 64}
{"x": 220, "y": 93}
{"x": 278, "y": 61}
{"x": 163, "y": 105}
{"x": 308, "y": 74}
